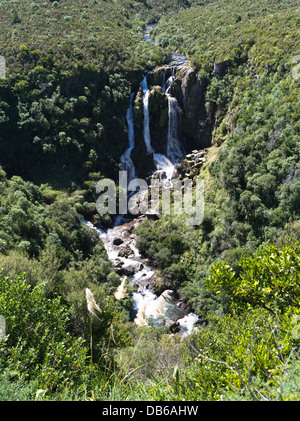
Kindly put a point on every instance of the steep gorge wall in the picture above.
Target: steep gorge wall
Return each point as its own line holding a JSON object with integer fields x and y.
{"x": 197, "y": 123}
{"x": 158, "y": 110}
{"x": 187, "y": 87}
{"x": 143, "y": 161}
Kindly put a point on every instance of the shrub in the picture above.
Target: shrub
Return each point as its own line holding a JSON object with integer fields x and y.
{"x": 38, "y": 345}
{"x": 14, "y": 17}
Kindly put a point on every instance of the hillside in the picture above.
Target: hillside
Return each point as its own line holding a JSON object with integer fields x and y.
{"x": 71, "y": 67}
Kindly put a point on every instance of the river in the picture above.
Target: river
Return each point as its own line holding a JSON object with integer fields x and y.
{"x": 120, "y": 241}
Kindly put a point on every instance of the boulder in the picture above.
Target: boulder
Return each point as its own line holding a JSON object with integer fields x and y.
{"x": 153, "y": 216}
{"x": 118, "y": 241}
{"x": 173, "y": 326}
{"x": 118, "y": 262}
{"x": 168, "y": 295}
{"x": 182, "y": 305}
{"x": 192, "y": 163}
{"x": 96, "y": 220}
{"x": 126, "y": 252}
{"x": 128, "y": 270}
{"x": 139, "y": 267}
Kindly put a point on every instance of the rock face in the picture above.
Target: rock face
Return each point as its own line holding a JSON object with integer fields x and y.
{"x": 144, "y": 166}
{"x": 158, "y": 111}
{"x": 191, "y": 164}
{"x": 197, "y": 123}
{"x": 173, "y": 325}
{"x": 159, "y": 76}
{"x": 168, "y": 295}
{"x": 218, "y": 69}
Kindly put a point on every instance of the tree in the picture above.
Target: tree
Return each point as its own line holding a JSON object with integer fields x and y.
{"x": 38, "y": 345}
{"x": 14, "y": 17}
{"x": 269, "y": 279}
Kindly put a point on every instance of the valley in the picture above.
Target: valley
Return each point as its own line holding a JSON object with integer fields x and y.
{"x": 173, "y": 95}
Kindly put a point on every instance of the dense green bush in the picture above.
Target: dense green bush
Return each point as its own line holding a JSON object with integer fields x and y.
{"x": 29, "y": 225}
{"x": 17, "y": 390}
{"x": 251, "y": 184}
{"x": 38, "y": 345}
{"x": 269, "y": 279}
{"x": 63, "y": 125}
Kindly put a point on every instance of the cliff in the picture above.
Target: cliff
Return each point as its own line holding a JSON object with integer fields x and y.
{"x": 197, "y": 122}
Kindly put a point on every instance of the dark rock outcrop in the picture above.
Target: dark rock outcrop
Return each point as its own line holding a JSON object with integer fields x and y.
{"x": 218, "y": 69}
{"x": 125, "y": 252}
{"x": 117, "y": 242}
{"x": 158, "y": 76}
{"x": 191, "y": 164}
{"x": 142, "y": 160}
{"x": 197, "y": 123}
{"x": 173, "y": 325}
{"x": 158, "y": 113}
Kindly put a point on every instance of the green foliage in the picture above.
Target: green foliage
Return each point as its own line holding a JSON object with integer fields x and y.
{"x": 164, "y": 244}
{"x": 28, "y": 225}
{"x": 63, "y": 124}
{"x": 152, "y": 354}
{"x": 66, "y": 83}
{"x": 15, "y": 390}
{"x": 221, "y": 32}
{"x": 48, "y": 348}
{"x": 14, "y": 16}
{"x": 62, "y": 127}
{"x": 37, "y": 344}
{"x": 269, "y": 279}
{"x": 249, "y": 356}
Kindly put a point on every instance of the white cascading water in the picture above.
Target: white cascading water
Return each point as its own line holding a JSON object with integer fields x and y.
{"x": 146, "y": 93}
{"x": 162, "y": 163}
{"x": 187, "y": 323}
{"x": 148, "y": 307}
{"x": 163, "y": 85}
{"x": 126, "y": 161}
{"x": 174, "y": 149}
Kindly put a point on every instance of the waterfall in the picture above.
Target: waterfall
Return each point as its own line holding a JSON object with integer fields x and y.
{"x": 162, "y": 163}
{"x": 146, "y": 93}
{"x": 174, "y": 149}
{"x": 168, "y": 83}
{"x": 187, "y": 323}
{"x": 163, "y": 85}
{"x": 148, "y": 308}
{"x": 126, "y": 161}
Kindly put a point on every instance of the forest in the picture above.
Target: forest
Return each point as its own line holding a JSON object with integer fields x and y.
{"x": 70, "y": 69}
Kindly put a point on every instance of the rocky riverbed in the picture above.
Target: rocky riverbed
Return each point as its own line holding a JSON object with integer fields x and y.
{"x": 153, "y": 305}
